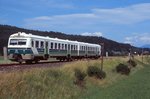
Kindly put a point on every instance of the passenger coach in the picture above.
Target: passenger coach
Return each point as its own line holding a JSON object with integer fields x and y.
{"x": 29, "y": 48}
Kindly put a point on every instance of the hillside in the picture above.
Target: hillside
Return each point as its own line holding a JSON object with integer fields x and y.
{"x": 146, "y": 46}
{"x": 110, "y": 45}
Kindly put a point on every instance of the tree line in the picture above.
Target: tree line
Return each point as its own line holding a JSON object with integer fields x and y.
{"x": 110, "y": 46}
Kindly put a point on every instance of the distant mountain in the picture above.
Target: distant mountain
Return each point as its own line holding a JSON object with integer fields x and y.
{"x": 109, "y": 45}
{"x": 146, "y": 46}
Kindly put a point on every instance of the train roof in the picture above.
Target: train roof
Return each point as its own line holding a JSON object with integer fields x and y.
{"x": 23, "y": 34}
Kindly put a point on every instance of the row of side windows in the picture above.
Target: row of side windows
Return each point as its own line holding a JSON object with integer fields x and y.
{"x": 38, "y": 44}
{"x": 62, "y": 46}
{"x": 53, "y": 45}
{"x": 58, "y": 46}
{"x": 86, "y": 48}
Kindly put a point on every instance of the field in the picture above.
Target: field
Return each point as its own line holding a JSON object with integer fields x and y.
{"x": 58, "y": 83}
{"x": 2, "y": 61}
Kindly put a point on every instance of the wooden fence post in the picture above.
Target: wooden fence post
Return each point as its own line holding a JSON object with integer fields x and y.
{"x": 5, "y": 53}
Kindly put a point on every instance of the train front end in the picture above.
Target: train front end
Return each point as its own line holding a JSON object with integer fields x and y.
{"x": 19, "y": 47}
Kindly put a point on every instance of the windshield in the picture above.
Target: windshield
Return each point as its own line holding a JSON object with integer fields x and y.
{"x": 18, "y": 42}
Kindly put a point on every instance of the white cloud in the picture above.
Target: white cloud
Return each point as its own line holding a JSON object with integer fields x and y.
{"x": 96, "y": 18}
{"x": 143, "y": 38}
{"x": 92, "y": 34}
{"x": 127, "y": 15}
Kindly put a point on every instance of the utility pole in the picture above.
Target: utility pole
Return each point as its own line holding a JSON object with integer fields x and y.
{"x": 142, "y": 55}
{"x": 5, "y": 53}
{"x": 102, "y": 52}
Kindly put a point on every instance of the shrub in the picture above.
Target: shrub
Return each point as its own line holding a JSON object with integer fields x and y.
{"x": 123, "y": 69}
{"x": 96, "y": 72}
{"x": 91, "y": 70}
{"x": 79, "y": 75}
{"x": 132, "y": 63}
{"x": 100, "y": 74}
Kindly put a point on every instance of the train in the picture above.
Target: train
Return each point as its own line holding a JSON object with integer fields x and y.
{"x": 26, "y": 47}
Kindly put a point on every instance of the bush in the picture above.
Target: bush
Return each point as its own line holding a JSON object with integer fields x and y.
{"x": 96, "y": 72}
{"x": 79, "y": 75}
{"x": 132, "y": 63}
{"x": 100, "y": 74}
{"x": 91, "y": 70}
{"x": 123, "y": 69}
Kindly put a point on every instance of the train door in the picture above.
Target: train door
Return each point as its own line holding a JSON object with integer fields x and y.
{"x": 46, "y": 50}
{"x": 69, "y": 49}
{"x": 46, "y": 47}
{"x": 86, "y": 51}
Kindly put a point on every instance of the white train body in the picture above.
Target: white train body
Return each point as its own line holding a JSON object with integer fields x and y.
{"x": 28, "y": 47}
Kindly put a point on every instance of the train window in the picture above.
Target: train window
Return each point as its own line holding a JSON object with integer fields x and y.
{"x": 62, "y": 46}
{"x": 59, "y": 46}
{"x": 55, "y": 45}
{"x": 32, "y": 43}
{"x": 65, "y": 46}
{"x": 74, "y": 47}
{"x": 13, "y": 42}
{"x": 51, "y": 45}
{"x": 18, "y": 42}
{"x": 71, "y": 47}
{"x": 81, "y": 48}
{"x": 42, "y": 44}
{"x": 37, "y": 44}
{"x": 22, "y": 42}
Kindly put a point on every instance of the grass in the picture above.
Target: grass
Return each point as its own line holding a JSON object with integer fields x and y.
{"x": 136, "y": 86}
{"x": 57, "y": 83}
{"x": 2, "y": 61}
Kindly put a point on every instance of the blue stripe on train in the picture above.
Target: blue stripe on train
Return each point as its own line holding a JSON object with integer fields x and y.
{"x": 20, "y": 51}
{"x": 40, "y": 50}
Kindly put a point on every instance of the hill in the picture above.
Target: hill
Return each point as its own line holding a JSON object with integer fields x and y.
{"x": 146, "y": 46}
{"x": 110, "y": 45}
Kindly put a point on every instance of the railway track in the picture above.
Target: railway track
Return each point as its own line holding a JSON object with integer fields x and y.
{"x": 42, "y": 64}
{"x": 17, "y": 66}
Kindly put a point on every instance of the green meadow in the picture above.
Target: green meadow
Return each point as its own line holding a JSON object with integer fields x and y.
{"x": 58, "y": 82}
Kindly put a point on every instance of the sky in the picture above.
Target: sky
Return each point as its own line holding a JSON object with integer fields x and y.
{"x": 124, "y": 21}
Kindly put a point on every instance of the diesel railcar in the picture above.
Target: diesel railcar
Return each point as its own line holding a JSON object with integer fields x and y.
{"x": 33, "y": 48}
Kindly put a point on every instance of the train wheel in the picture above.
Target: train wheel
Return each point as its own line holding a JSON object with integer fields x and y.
{"x": 36, "y": 60}
{"x": 19, "y": 59}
